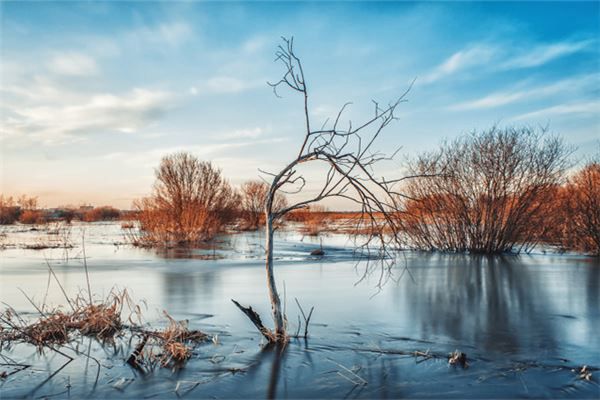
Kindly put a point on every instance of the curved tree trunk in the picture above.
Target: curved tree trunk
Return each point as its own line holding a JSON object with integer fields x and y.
{"x": 272, "y": 287}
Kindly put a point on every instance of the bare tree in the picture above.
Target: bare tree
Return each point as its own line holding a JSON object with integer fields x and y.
{"x": 485, "y": 192}
{"x": 348, "y": 157}
{"x": 253, "y": 199}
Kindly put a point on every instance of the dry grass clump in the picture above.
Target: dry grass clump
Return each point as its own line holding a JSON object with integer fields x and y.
{"x": 102, "y": 320}
{"x": 53, "y": 329}
{"x": 175, "y": 339}
{"x": 175, "y": 344}
{"x": 99, "y": 320}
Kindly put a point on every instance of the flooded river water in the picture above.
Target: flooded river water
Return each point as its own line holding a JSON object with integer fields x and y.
{"x": 524, "y": 322}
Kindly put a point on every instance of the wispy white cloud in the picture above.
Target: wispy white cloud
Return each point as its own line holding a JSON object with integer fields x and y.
{"x": 591, "y": 107}
{"x": 522, "y": 93}
{"x": 73, "y": 64}
{"x": 544, "y": 53}
{"x": 252, "y": 133}
{"x": 504, "y": 57}
{"x": 171, "y": 33}
{"x": 229, "y": 84}
{"x": 461, "y": 60}
{"x": 151, "y": 157}
{"x": 59, "y": 122}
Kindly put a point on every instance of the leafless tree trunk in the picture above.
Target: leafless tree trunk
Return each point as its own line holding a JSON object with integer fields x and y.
{"x": 349, "y": 158}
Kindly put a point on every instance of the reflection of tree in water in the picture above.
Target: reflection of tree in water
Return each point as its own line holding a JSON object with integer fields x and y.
{"x": 183, "y": 289}
{"x": 492, "y": 303}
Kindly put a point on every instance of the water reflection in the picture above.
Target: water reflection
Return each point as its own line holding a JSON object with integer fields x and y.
{"x": 488, "y": 302}
{"x": 183, "y": 289}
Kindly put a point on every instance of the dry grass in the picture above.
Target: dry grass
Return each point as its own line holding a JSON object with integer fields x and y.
{"x": 104, "y": 321}
{"x": 175, "y": 341}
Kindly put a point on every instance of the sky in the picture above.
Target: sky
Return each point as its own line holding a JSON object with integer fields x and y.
{"x": 93, "y": 94}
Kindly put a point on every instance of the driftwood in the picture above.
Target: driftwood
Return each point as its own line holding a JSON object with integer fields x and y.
{"x": 135, "y": 358}
{"x": 255, "y": 318}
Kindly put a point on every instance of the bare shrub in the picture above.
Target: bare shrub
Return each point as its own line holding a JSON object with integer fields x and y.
{"x": 104, "y": 213}
{"x": 23, "y": 209}
{"x": 316, "y": 220}
{"x": 484, "y": 192}
{"x": 9, "y": 211}
{"x": 253, "y": 199}
{"x": 31, "y": 217}
{"x": 574, "y": 216}
{"x": 191, "y": 203}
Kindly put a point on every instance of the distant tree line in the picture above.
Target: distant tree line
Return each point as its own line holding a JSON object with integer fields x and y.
{"x": 25, "y": 210}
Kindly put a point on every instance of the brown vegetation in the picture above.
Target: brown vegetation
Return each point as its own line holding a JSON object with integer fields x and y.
{"x": 315, "y": 219}
{"x": 485, "y": 192}
{"x": 253, "y": 200}
{"x": 190, "y": 204}
{"x": 31, "y": 217}
{"x": 23, "y": 209}
{"x": 573, "y": 218}
{"x": 103, "y": 320}
{"x": 104, "y": 213}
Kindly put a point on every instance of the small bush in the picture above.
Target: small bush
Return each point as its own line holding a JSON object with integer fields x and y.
{"x": 253, "y": 199}
{"x": 31, "y": 217}
{"x": 105, "y": 213}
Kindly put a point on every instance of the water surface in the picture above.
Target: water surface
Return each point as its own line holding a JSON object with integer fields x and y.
{"x": 524, "y": 322}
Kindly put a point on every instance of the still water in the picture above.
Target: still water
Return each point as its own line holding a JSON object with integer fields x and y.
{"x": 524, "y": 322}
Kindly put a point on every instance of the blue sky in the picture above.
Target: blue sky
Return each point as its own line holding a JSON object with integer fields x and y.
{"x": 93, "y": 94}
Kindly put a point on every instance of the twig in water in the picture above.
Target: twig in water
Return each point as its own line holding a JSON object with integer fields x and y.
{"x": 306, "y": 319}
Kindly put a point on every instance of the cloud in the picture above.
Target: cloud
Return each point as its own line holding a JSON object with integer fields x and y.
{"x": 503, "y": 57}
{"x": 172, "y": 33}
{"x": 243, "y": 134}
{"x": 502, "y": 98}
{"x": 227, "y": 84}
{"x": 58, "y": 123}
{"x": 542, "y": 54}
{"x": 73, "y": 64}
{"x": 151, "y": 157}
{"x": 592, "y": 108}
{"x": 461, "y": 60}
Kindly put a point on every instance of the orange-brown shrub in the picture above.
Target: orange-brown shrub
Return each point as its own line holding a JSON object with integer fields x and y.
{"x": 9, "y": 211}
{"x": 314, "y": 219}
{"x": 485, "y": 192}
{"x": 253, "y": 199}
{"x": 105, "y": 213}
{"x": 574, "y": 215}
{"x": 32, "y": 217}
{"x": 12, "y": 210}
{"x": 191, "y": 203}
